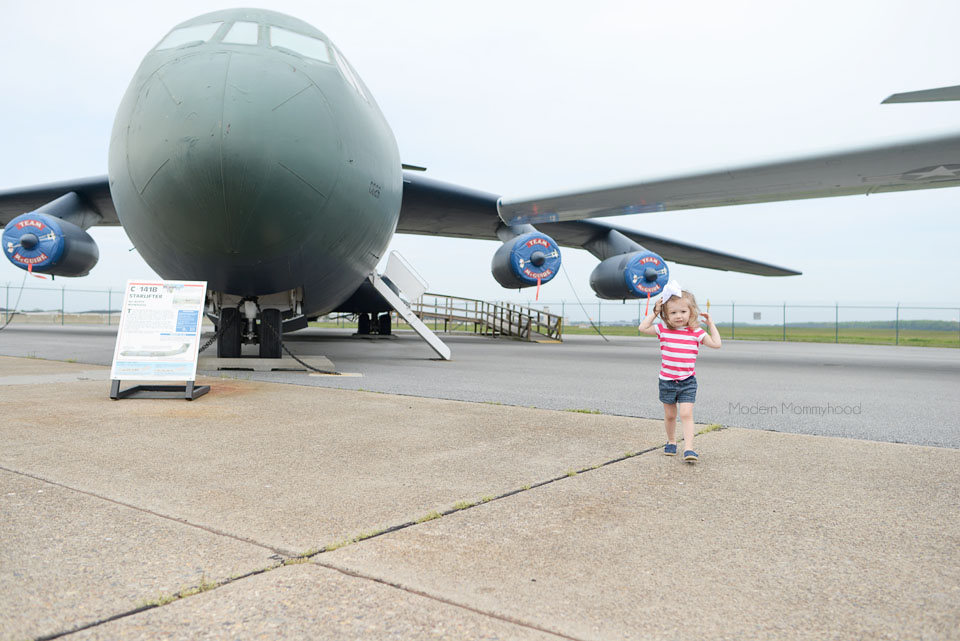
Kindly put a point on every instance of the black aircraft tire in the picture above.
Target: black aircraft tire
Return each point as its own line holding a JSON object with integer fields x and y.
{"x": 228, "y": 345}
{"x": 363, "y": 324}
{"x": 271, "y": 333}
{"x": 384, "y": 324}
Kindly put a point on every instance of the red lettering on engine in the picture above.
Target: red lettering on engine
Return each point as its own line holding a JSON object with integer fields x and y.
{"x": 538, "y": 241}
{"x": 31, "y": 223}
{"x": 544, "y": 275}
{"x": 36, "y": 260}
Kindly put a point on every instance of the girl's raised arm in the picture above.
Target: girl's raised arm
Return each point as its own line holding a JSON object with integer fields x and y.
{"x": 646, "y": 325}
{"x": 713, "y": 338}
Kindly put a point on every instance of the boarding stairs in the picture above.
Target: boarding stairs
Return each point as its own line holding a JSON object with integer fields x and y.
{"x": 404, "y": 290}
{"x": 406, "y": 284}
{"x": 487, "y": 318}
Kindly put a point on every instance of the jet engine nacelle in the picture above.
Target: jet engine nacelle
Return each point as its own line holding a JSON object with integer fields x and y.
{"x": 525, "y": 260}
{"x": 49, "y": 245}
{"x": 639, "y": 274}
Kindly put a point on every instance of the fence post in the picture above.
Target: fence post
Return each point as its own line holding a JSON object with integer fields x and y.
{"x": 897, "y": 341}
{"x": 836, "y": 322}
{"x": 733, "y": 320}
{"x": 109, "y": 303}
{"x": 6, "y": 307}
{"x": 784, "y": 321}
{"x": 63, "y": 307}
{"x": 599, "y": 311}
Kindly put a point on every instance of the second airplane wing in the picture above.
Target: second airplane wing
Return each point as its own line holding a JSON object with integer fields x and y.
{"x": 434, "y": 208}
{"x": 921, "y": 164}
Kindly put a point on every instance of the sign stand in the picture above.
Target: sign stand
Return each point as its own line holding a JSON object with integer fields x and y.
{"x": 158, "y": 339}
{"x": 189, "y": 392}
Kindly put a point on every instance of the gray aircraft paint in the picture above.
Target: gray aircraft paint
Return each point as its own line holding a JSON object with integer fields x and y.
{"x": 254, "y": 168}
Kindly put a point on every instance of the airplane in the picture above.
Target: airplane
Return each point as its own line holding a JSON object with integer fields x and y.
{"x": 248, "y": 153}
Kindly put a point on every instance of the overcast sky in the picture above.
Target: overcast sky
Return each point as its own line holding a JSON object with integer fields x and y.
{"x": 524, "y": 98}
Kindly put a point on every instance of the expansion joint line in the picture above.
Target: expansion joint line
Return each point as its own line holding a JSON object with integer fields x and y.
{"x": 433, "y": 597}
{"x": 286, "y": 558}
{"x": 209, "y": 530}
{"x": 150, "y": 606}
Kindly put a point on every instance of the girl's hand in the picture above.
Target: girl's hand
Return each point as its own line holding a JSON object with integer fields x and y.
{"x": 657, "y": 306}
{"x": 707, "y": 318}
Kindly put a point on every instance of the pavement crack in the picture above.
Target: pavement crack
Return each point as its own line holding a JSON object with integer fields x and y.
{"x": 286, "y": 558}
{"x": 466, "y": 505}
{"x": 162, "y": 600}
{"x": 439, "y": 599}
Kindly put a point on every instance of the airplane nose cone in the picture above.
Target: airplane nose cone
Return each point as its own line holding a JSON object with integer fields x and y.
{"x": 238, "y": 152}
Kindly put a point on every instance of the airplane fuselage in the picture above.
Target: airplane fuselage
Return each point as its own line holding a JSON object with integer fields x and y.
{"x": 254, "y": 158}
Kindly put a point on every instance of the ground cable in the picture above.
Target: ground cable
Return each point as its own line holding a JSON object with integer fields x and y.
{"x": 596, "y": 329}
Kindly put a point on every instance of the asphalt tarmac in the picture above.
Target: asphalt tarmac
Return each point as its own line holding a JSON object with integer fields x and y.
{"x": 881, "y": 393}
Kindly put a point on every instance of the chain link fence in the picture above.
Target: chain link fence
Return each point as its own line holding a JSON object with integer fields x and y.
{"x": 895, "y": 324}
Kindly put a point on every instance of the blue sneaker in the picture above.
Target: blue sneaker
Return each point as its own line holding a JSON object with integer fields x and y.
{"x": 670, "y": 449}
{"x": 690, "y": 456}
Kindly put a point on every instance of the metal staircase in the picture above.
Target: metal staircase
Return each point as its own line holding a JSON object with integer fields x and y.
{"x": 490, "y": 319}
{"x": 401, "y": 284}
{"x": 407, "y": 280}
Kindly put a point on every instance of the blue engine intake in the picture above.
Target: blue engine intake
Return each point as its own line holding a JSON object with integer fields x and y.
{"x": 639, "y": 274}
{"x": 525, "y": 260}
{"x": 49, "y": 245}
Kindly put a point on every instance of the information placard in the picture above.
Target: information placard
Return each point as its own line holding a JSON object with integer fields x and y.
{"x": 159, "y": 334}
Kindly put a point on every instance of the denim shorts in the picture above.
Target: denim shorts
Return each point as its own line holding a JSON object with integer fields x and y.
{"x": 682, "y": 391}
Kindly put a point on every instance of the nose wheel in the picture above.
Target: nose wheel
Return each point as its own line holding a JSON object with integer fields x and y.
{"x": 231, "y": 333}
{"x": 271, "y": 332}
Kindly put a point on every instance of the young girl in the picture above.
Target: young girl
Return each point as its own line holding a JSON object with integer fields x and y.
{"x": 680, "y": 337}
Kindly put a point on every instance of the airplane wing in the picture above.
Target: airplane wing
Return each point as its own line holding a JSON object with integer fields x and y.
{"x": 921, "y": 164}
{"x": 940, "y": 94}
{"x": 435, "y": 208}
{"x": 95, "y": 192}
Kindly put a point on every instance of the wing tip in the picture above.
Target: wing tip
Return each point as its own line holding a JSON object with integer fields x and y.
{"x": 940, "y": 94}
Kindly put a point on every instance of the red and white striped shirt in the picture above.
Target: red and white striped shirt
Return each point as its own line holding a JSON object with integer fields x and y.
{"x": 678, "y": 351}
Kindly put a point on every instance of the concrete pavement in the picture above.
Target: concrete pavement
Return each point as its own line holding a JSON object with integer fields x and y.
{"x": 255, "y": 511}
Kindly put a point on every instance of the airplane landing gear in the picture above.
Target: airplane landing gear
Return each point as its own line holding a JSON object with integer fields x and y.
{"x": 373, "y": 325}
{"x": 271, "y": 334}
{"x": 235, "y": 330}
{"x": 363, "y": 324}
{"x": 385, "y": 324}
{"x": 231, "y": 333}
{"x": 257, "y": 321}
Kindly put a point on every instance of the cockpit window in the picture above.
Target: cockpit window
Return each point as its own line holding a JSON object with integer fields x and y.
{"x": 348, "y": 72}
{"x": 189, "y": 35}
{"x": 242, "y": 33}
{"x": 299, "y": 43}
